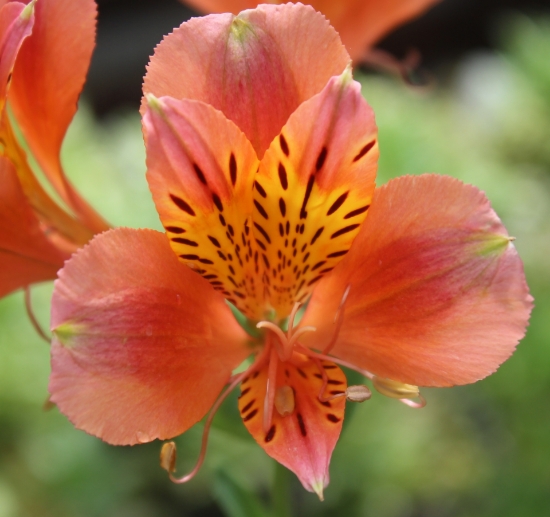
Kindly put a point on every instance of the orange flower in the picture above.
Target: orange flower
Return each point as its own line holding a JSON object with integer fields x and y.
{"x": 45, "y": 50}
{"x": 261, "y": 157}
{"x": 360, "y": 23}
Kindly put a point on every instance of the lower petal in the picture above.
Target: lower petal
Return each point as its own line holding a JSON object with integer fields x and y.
{"x": 304, "y": 430}
{"x": 142, "y": 345}
{"x": 437, "y": 293}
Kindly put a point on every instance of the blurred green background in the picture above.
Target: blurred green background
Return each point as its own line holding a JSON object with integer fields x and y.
{"x": 476, "y": 451}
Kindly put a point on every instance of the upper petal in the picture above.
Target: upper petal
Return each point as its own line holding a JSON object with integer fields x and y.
{"x": 437, "y": 292}
{"x": 313, "y": 189}
{"x": 142, "y": 346}
{"x": 257, "y": 68}
{"x": 48, "y": 76}
{"x": 360, "y": 23}
{"x": 26, "y": 255}
{"x": 200, "y": 168}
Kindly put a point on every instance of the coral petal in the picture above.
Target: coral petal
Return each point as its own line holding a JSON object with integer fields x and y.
{"x": 313, "y": 189}
{"x": 437, "y": 291}
{"x": 49, "y": 73}
{"x": 142, "y": 346}
{"x": 200, "y": 171}
{"x": 26, "y": 255}
{"x": 256, "y": 68}
{"x": 303, "y": 440}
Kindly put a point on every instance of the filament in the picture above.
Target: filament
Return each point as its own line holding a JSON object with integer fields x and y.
{"x": 414, "y": 404}
{"x": 234, "y": 382}
{"x": 338, "y": 320}
{"x": 292, "y": 316}
{"x": 346, "y": 364}
{"x": 32, "y": 317}
{"x": 270, "y": 390}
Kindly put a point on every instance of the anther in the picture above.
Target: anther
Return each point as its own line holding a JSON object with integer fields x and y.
{"x": 395, "y": 389}
{"x": 168, "y": 457}
{"x": 168, "y": 451}
{"x": 399, "y": 390}
{"x": 284, "y": 400}
{"x": 357, "y": 393}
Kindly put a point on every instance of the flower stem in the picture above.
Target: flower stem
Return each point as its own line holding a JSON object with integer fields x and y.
{"x": 281, "y": 492}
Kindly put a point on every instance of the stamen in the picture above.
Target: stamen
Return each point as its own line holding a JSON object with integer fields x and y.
{"x": 324, "y": 377}
{"x": 413, "y": 404}
{"x": 358, "y": 393}
{"x": 394, "y": 389}
{"x": 298, "y": 333}
{"x": 270, "y": 390}
{"x": 292, "y": 317}
{"x": 168, "y": 456}
{"x": 167, "y": 452}
{"x": 32, "y": 317}
{"x": 324, "y": 357}
{"x": 399, "y": 390}
{"x": 284, "y": 400}
{"x": 338, "y": 320}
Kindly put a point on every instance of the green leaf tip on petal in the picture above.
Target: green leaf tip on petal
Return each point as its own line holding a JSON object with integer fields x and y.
{"x": 347, "y": 76}
{"x": 241, "y": 29}
{"x": 28, "y": 11}
{"x": 318, "y": 487}
{"x": 66, "y": 332}
{"x": 153, "y": 102}
{"x": 494, "y": 244}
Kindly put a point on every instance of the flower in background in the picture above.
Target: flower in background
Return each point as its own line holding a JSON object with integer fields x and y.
{"x": 360, "y": 23}
{"x": 45, "y": 50}
{"x": 262, "y": 156}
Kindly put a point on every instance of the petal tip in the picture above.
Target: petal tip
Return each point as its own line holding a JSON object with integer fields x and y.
{"x": 240, "y": 27}
{"x": 318, "y": 486}
{"x": 347, "y": 75}
{"x": 66, "y": 332}
{"x": 153, "y": 102}
{"x": 28, "y": 11}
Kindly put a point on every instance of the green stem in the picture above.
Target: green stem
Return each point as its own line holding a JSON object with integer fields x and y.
{"x": 281, "y": 492}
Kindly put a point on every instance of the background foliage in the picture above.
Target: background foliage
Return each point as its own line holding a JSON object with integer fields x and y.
{"x": 478, "y": 451}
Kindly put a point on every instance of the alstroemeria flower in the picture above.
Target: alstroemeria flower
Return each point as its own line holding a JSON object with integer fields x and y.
{"x": 360, "y": 23}
{"x": 261, "y": 157}
{"x": 45, "y": 50}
